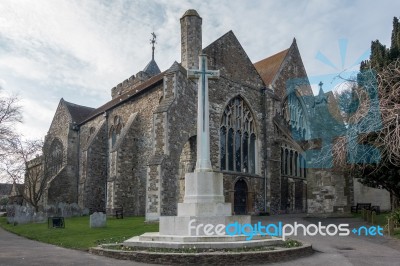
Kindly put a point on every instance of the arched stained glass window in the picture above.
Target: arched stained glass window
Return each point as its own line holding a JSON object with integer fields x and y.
{"x": 237, "y": 138}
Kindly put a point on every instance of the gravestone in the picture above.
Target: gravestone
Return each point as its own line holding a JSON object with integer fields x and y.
{"x": 98, "y": 219}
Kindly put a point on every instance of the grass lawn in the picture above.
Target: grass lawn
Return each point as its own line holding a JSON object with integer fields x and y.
{"x": 381, "y": 220}
{"x": 78, "y": 235}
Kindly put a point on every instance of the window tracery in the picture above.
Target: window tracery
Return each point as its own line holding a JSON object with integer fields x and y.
{"x": 238, "y": 138}
{"x": 295, "y": 117}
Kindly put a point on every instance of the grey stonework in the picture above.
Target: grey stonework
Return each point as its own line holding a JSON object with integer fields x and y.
{"x": 133, "y": 152}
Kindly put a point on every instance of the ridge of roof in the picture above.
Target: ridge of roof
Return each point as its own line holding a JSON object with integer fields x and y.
{"x": 124, "y": 97}
{"x": 269, "y": 67}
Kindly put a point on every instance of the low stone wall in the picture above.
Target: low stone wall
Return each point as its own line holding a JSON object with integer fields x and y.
{"x": 208, "y": 258}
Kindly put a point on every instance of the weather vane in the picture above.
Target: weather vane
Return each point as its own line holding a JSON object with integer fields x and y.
{"x": 153, "y": 41}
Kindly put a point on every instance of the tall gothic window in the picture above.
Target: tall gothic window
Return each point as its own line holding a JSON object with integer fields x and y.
{"x": 294, "y": 115}
{"x": 55, "y": 157}
{"x": 238, "y": 138}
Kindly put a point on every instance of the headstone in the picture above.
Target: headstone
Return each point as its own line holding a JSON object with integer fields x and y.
{"x": 98, "y": 219}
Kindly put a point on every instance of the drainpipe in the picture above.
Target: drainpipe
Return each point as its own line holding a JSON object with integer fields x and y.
{"x": 264, "y": 129}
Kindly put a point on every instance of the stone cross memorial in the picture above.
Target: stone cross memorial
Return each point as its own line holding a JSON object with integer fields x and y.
{"x": 204, "y": 200}
{"x": 203, "y": 129}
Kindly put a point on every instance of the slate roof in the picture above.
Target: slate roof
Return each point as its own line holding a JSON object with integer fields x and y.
{"x": 152, "y": 68}
{"x": 269, "y": 67}
{"x": 78, "y": 112}
{"x": 150, "y": 83}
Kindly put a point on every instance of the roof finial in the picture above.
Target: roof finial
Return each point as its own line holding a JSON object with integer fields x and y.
{"x": 153, "y": 41}
{"x": 320, "y": 85}
{"x": 321, "y": 91}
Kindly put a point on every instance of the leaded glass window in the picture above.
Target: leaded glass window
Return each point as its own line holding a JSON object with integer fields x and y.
{"x": 237, "y": 138}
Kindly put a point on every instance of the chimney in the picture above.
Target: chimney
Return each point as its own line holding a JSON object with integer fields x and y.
{"x": 190, "y": 39}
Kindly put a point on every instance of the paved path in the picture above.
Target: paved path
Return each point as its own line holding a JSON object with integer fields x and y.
{"x": 331, "y": 251}
{"x": 16, "y": 250}
{"x": 343, "y": 250}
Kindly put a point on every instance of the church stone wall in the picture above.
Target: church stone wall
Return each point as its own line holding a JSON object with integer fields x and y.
{"x": 328, "y": 192}
{"x": 238, "y": 77}
{"x": 273, "y": 156}
{"x": 93, "y": 165}
{"x": 180, "y": 126}
{"x": 134, "y": 153}
{"x": 63, "y": 186}
{"x": 292, "y": 68}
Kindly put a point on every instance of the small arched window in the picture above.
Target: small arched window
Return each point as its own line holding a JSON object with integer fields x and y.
{"x": 237, "y": 138}
{"x": 115, "y": 130}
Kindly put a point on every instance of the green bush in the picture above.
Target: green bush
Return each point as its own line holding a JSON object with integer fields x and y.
{"x": 395, "y": 215}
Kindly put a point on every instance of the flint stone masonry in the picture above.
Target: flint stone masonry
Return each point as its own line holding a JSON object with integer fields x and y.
{"x": 98, "y": 219}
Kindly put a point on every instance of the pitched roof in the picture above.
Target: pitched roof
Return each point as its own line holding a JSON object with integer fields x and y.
{"x": 269, "y": 67}
{"x": 150, "y": 83}
{"x": 78, "y": 112}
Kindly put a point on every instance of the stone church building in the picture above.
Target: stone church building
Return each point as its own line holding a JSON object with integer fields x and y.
{"x": 133, "y": 151}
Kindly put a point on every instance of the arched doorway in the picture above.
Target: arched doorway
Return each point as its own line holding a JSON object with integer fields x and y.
{"x": 240, "y": 197}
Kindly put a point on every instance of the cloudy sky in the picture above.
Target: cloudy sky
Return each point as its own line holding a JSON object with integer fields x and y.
{"x": 79, "y": 50}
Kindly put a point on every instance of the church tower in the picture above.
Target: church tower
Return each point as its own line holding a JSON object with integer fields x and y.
{"x": 190, "y": 39}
